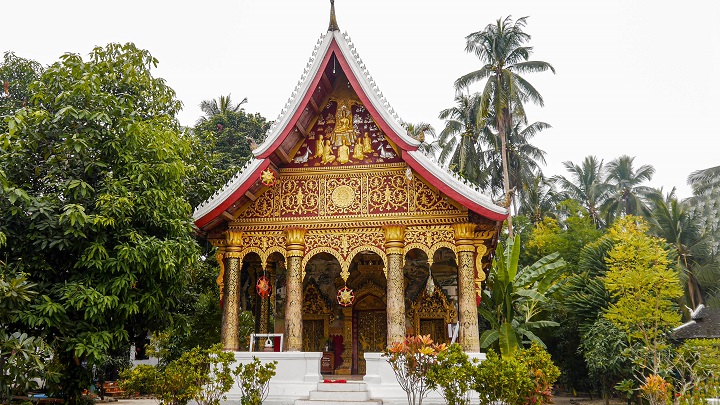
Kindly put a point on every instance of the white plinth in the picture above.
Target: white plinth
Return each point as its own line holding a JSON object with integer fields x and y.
{"x": 382, "y": 383}
{"x": 297, "y": 373}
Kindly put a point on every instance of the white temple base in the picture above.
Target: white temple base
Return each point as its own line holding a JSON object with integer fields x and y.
{"x": 297, "y": 373}
{"x": 382, "y": 383}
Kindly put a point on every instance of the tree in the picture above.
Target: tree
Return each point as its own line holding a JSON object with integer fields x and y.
{"x": 626, "y": 196}
{"x": 603, "y": 347}
{"x": 224, "y": 139}
{"x": 523, "y": 160}
{"x": 95, "y": 204}
{"x": 586, "y": 185}
{"x": 539, "y": 199}
{"x": 418, "y": 131}
{"x": 640, "y": 279}
{"x": 505, "y": 57}
{"x": 703, "y": 181}
{"x": 692, "y": 250}
{"x": 16, "y": 74}
{"x": 514, "y": 296}
{"x": 458, "y": 141}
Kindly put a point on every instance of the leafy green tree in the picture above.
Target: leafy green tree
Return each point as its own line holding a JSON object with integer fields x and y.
{"x": 229, "y": 134}
{"x": 505, "y": 57}
{"x": 16, "y": 74}
{"x": 567, "y": 235}
{"x": 603, "y": 348}
{"x": 514, "y": 297}
{"x": 503, "y": 379}
{"x": 640, "y": 278}
{"x": 95, "y": 204}
{"x": 22, "y": 356}
{"x": 627, "y": 196}
{"x": 585, "y": 185}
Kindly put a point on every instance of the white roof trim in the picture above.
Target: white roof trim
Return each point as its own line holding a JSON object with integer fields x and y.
{"x": 370, "y": 88}
{"x": 228, "y": 189}
{"x": 458, "y": 184}
{"x": 303, "y": 86}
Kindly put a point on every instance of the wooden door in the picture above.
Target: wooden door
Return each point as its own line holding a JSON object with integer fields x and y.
{"x": 369, "y": 335}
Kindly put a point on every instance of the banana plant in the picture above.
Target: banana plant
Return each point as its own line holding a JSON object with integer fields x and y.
{"x": 514, "y": 297}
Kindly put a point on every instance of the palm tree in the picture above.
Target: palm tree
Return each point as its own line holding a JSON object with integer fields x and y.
{"x": 586, "y": 185}
{"x": 220, "y": 106}
{"x": 500, "y": 47}
{"x": 627, "y": 196}
{"x": 523, "y": 159}
{"x": 703, "y": 180}
{"x": 671, "y": 220}
{"x": 458, "y": 141}
{"x": 539, "y": 200}
{"x": 418, "y": 131}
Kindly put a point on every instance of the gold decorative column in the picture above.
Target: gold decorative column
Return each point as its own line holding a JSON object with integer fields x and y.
{"x": 265, "y": 305}
{"x": 295, "y": 247}
{"x": 231, "y": 296}
{"x": 467, "y": 308}
{"x": 394, "y": 249}
{"x": 347, "y": 355}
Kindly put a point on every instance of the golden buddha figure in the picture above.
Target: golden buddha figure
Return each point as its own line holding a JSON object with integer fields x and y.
{"x": 344, "y": 130}
{"x": 358, "y": 152}
{"x": 343, "y": 153}
{"x": 328, "y": 156}
{"x": 319, "y": 149}
{"x": 367, "y": 145}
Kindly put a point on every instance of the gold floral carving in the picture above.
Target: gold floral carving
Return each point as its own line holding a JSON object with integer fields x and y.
{"x": 231, "y": 306}
{"x": 431, "y": 306}
{"x": 343, "y": 196}
{"x": 377, "y": 192}
{"x": 233, "y": 238}
{"x": 220, "y": 280}
{"x": 395, "y": 299}
{"x": 293, "y": 305}
{"x": 468, "y": 315}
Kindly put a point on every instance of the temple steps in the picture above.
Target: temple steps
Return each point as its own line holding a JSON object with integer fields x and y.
{"x": 350, "y": 393}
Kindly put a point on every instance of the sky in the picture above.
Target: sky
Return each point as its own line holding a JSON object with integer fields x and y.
{"x": 633, "y": 77}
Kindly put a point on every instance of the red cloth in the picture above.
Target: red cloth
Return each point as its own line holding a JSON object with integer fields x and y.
{"x": 334, "y": 381}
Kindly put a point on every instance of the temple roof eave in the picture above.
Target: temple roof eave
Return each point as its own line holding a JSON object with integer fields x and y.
{"x": 310, "y": 77}
{"x": 230, "y": 192}
{"x": 454, "y": 187}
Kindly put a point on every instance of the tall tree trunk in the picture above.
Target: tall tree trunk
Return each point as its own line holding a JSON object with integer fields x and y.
{"x": 503, "y": 121}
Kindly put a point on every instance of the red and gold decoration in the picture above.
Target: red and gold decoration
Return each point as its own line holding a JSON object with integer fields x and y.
{"x": 263, "y": 287}
{"x": 267, "y": 177}
{"x": 345, "y": 296}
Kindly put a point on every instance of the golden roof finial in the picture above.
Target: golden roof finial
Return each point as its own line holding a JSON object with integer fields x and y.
{"x": 333, "y": 21}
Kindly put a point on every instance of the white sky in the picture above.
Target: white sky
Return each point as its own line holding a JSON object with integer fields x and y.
{"x": 633, "y": 77}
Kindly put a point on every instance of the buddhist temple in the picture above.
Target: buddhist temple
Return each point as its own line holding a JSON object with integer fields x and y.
{"x": 340, "y": 235}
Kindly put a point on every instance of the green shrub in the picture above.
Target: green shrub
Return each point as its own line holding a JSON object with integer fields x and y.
{"x": 253, "y": 380}
{"x": 142, "y": 379}
{"x": 543, "y": 372}
{"x": 203, "y": 375}
{"x": 452, "y": 374}
{"x": 505, "y": 379}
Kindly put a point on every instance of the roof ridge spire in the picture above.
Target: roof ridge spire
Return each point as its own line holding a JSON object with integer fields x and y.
{"x": 333, "y": 21}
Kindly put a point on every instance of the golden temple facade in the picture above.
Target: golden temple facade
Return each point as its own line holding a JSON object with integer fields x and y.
{"x": 340, "y": 234}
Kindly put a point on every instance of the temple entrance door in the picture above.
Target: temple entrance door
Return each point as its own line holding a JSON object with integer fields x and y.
{"x": 369, "y": 330}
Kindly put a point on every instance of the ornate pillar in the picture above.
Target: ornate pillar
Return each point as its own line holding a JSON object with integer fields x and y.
{"x": 467, "y": 306}
{"x": 295, "y": 247}
{"x": 231, "y": 298}
{"x": 346, "y": 366}
{"x": 394, "y": 249}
